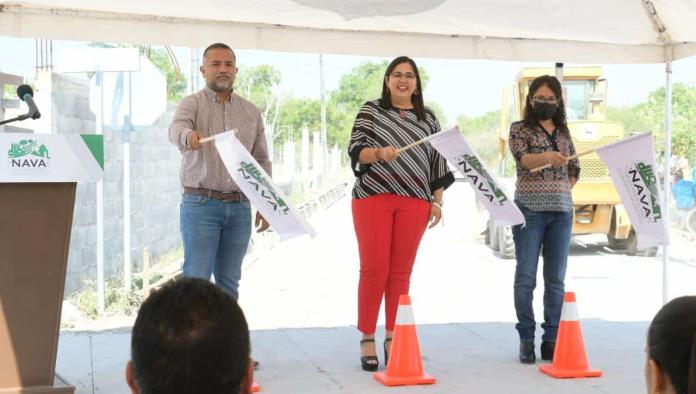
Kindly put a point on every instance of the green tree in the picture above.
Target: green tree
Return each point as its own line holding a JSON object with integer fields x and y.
{"x": 633, "y": 117}
{"x": 259, "y": 85}
{"x": 296, "y": 114}
{"x": 176, "y": 81}
{"x": 482, "y": 133}
{"x": 683, "y": 118}
{"x": 361, "y": 84}
{"x": 9, "y": 93}
{"x": 439, "y": 113}
{"x": 649, "y": 116}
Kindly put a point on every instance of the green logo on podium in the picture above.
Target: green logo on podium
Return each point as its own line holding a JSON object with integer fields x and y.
{"x": 28, "y": 154}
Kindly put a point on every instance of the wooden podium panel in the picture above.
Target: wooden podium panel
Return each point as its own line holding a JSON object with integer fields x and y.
{"x": 35, "y": 225}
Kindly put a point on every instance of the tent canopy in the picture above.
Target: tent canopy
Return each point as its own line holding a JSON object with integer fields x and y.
{"x": 598, "y": 31}
{"x": 579, "y": 31}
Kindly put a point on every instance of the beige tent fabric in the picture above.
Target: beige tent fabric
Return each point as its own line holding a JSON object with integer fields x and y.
{"x": 598, "y": 31}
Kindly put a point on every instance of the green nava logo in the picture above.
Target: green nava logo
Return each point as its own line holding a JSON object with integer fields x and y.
{"x": 254, "y": 178}
{"x": 28, "y": 154}
{"x": 472, "y": 167}
{"x": 644, "y": 186}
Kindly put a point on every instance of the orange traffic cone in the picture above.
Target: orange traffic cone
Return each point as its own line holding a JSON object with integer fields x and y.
{"x": 569, "y": 358}
{"x": 405, "y": 366}
{"x": 255, "y": 388}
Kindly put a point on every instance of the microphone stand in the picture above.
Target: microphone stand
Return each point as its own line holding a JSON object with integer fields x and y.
{"x": 20, "y": 117}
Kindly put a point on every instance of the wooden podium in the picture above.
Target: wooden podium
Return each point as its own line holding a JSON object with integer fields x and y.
{"x": 38, "y": 180}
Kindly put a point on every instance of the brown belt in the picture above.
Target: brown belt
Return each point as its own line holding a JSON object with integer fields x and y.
{"x": 225, "y": 197}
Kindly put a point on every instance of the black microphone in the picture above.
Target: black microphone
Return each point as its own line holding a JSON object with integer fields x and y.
{"x": 26, "y": 94}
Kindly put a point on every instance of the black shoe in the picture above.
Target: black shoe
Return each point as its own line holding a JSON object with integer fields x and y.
{"x": 369, "y": 363}
{"x": 386, "y": 352}
{"x": 527, "y": 355}
{"x": 547, "y": 348}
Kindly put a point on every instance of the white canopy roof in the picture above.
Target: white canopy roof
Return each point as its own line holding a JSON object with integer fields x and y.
{"x": 598, "y": 31}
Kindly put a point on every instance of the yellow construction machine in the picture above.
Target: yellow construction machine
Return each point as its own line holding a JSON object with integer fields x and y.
{"x": 598, "y": 209}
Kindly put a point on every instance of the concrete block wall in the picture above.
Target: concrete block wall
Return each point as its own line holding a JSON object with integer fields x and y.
{"x": 155, "y": 188}
{"x": 155, "y": 191}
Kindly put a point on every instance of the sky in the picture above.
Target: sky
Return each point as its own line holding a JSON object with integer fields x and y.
{"x": 469, "y": 87}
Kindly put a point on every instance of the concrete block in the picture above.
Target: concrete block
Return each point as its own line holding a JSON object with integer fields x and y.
{"x": 86, "y": 258}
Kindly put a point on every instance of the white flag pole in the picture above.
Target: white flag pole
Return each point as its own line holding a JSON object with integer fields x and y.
{"x": 545, "y": 166}
{"x": 667, "y": 162}
{"x": 409, "y": 146}
{"x": 212, "y": 137}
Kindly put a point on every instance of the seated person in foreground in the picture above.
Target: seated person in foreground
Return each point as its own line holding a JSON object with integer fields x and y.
{"x": 190, "y": 337}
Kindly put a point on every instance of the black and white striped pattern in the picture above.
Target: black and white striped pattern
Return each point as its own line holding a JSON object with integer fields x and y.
{"x": 417, "y": 172}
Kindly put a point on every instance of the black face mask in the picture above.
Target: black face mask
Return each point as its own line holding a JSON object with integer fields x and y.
{"x": 544, "y": 111}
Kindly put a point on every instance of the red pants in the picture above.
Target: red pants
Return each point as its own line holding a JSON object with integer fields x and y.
{"x": 389, "y": 229}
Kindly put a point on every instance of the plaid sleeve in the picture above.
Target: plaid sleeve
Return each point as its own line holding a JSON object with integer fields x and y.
{"x": 183, "y": 122}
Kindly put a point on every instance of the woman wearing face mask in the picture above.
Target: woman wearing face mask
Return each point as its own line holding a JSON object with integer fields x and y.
{"x": 395, "y": 196}
{"x": 544, "y": 198}
{"x": 670, "y": 366}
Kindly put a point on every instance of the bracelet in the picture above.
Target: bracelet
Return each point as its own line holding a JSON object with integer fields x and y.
{"x": 378, "y": 154}
{"x": 437, "y": 204}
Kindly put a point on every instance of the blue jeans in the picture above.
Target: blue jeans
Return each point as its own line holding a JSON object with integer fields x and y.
{"x": 216, "y": 235}
{"x": 547, "y": 232}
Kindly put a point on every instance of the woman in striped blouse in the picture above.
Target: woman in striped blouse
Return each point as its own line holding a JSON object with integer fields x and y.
{"x": 395, "y": 196}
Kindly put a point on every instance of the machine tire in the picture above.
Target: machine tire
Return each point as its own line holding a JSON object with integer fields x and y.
{"x": 487, "y": 234}
{"x": 492, "y": 236}
{"x": 632, "y": 247}
{"x": 615, "y": 243}
{"x": 506, "y": 245}
{"x": 690, "y": 221}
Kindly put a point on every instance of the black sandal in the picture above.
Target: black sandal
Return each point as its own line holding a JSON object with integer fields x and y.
{"x": 386, "y": 352}
{"x": 369, "y": 363}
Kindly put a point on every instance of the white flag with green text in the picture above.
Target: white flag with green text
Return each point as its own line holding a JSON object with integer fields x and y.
{"x": 452, "y": 145}
{"x": 257, "y": 186}
{"x": 631, "y": 164}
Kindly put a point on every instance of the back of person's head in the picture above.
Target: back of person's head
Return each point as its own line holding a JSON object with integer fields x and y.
{"x": 671, "y": 350}
{"x": 190, "y": 337}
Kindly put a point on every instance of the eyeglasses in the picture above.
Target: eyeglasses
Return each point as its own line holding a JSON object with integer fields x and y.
{"x": 542, "y": 100}
{"x": 398, "y": 75}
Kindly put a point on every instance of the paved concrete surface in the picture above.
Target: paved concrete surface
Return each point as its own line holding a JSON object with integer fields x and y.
{"x": 300, "y": 300}
{"x": 464, "y": 357}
